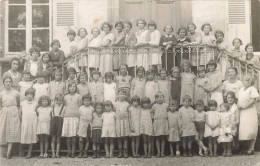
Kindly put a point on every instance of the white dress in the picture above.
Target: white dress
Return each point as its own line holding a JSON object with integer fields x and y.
{"x": 142, "y": 53}
{"x": 151, "y": 88}
{"x": 40, "y": 90}
{"x": 232, "y": 86}
{"x": 155, "y": 53}
{"x": 110, "y": 92}
{"x": 213, "y": 118}
{"x": 44, "y": 120}
{"x": 93, "y": 53}
{"x": 81, "y": 44}
{"x": 109, "y": 124}
{"x": 225, "y": 130}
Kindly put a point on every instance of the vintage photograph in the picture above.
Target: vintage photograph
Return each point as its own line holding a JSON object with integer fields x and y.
{"x": 130, "y": 82}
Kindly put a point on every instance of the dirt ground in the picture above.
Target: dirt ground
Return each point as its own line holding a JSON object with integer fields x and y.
{"x": 236, "y": 160}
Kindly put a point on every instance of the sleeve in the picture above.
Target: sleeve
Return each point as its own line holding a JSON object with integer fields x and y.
{"x": 162, "y": 41}
{"x": 253, "y": 94}
{"x": 198, "y": 39}
{"x": 111, "y": 37}
{"x": 156, "y": 40}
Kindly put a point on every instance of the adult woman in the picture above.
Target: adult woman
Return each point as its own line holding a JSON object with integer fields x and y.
{"x": 57, "y": 56}
{"x": 14, "y": 74}
{"x": 106, "y": 62}
{"x": 248, "y": 125}
{"x": 10, "y": 128}
{"x": 82, "y": 44}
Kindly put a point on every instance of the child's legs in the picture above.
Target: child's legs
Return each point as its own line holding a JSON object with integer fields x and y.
{"x": 177, "y": 144}
{"x": 158, "y": 141}
{"x": 41, "y": 143}
{"x": 69, "y": 139}
{"x": 46, "y": 141}
{"x": 149, "y": 144}
{"x": 224, "y": 144}
{"x": 171, "y": 148}
{"x": 88, "y": 138}
{"x": 184, "y": 143}
{"x": 53, "y": 140}
{"x": 9, "y": 148}
{"x": 215, "y": 144}
{"x": 81, "y": 141}
{"x": 229, "y": 147}
{"x": 107, "y": 145}
{"x": 163, "y": 139}
{"x": 210, "y": 145}
{"x": 137, "y": 142}
{"x": 111, "y": 142}
{"x": 190, "y": 142}
{"x": 58, "y": 145}
{"x": 145, "y": 140}
{"x": 30, "y": 149}
{"x": 74, "y": 142}
{"x": 252, "y": 144}
{"x": 119, "y": 143}
{"x": 125, "y": 139}
{"x": 133, "y": 145}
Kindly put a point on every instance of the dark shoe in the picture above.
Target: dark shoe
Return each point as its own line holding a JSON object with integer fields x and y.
{"x": 68, "y": 155}
{"x": 162, "y": 155}
{"x": 85, "y": 155}
{"x": 28, "y": 156}
{"x": 149, "y": 155}
{"x": 125, "y": 153}
{"x": 184, "y": 154}
{"x": 190, "y": 153}
{"x": 80, "y": 155}
{"x": 107, "y": 155}
{"x": 120, "y": 153}
{"x": 94, "y": 154}
{"x": 97, "y": 154}
{"x": 158, "y": 155}
{"x": 228, "y": 155}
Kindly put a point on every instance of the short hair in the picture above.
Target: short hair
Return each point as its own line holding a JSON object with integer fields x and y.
{"x": 206, "y": 24}
{"x": 57, "y": 72}
{"x": 182, "y": 28}
{"x": 136, "y": 99}
{"x": 128, "y": 23}
{"x": 109, "y": 74}
{"x": 194, "y": 25}
{"x": 141, "y": 19}
{"x": 172, "y": 102}
{"x": 189, "y": 63}
{"x": 150, "y": 71}
{"x": 35, "y": 49}
{"x": 145, "y": 100}
{"x": 70, "y": 84}
{"x": 199, "y": 103}
{"x": 84, "y": 30}
{"x": 140, "y": 68}
{"x": 233, "y": 68}
{"x": 16, "y": 59}
{"x": 87, "y": 96}
{"x": 99, "y": 104}
{"x": 219, "y": 32}
{"x": 55, "y": 41}
{"x": 241, "y": 43}
{"x": 30, "y": 91}
{"x": 249, "y": 44}
{"x": 123, "y": 65}
{"x": 212, "y": 62}
{"x": 119, "y": 23}
{"x": 212, "y": 103}
{"x": 95, "y": 28}
{"x": 109, "y": 103}
{"x": 83, "y": 74}
{"x": 7, "y": 77}
{"x": 71, "y": 32}
{"x": 121, "y": 90}
{"x": 71, "y": 69}
{"x": 152, "y": 24}
{"x": 251, "y": 79}
{"x": 163, "y": 69}
{"x": 46, "y": 54}
{"x": 164, "y": 29}
{"x": 232, "y": 94}
{"x": 44, "y": 97}
{"x": 95, "y": 72}
{"x": 108, "y": 24}
{"x": 59, "y": 96}
{"x": 26, "y": 72}
{"x": 226, "y": 105}
{"x": 186, "y": 97}
{"x": 40, "y": 75}
{"x": 158, "y": 93}
{"x": 174, "y": 68}
{"x": 200, "y": 70}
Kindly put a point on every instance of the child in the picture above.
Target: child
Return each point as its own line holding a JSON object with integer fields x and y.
{"x": 97, "y": 128}
{"x": 83, "y": 84}
{"x": 71, "y": 48}
{"x": 72, "y": 78}
{"x": 109, "y": 88}
{"x": 85, "y": 120}
{"x": 32, "y": 64}
{"x": 231, "y": 99}
{"x": 202, "y": 87}
{"x": 119, "y": 41}
{"x": 57, "y": 56}
{"x": 82, "y": 44}
{"x": 134, "y": 123}
{"x": 122, "y": 124}
{"x": 56, "y": 124}
{"x": 138, "y": 83}
{"x": 225, "y": 134}
{"x": 212, "y": 127}
{"x": 238, "y": 54}
{"x": 151, "y": 87}
{"x": 96, "y": 88}
{"x": 29, "y": 120}
{"x": 164, "y": 85}
{"x": 174, "y": 127}
{"x": 175, "y": 84}
{"x": 56, "y": 86}
{"x": 250, "y": 57}
{"x": 146, "y": 126}
{"x": 123, "y": 81}
{"x": 188, "y": 130}
{"x": 109, "y": 128}
{"x": 182, "y": 52}
{"x": 45, "y": 66}
{"x": 72, "y": 101}
{"x": 44, "y": 122}
{"x": 160, "y": 124}
{"x": 41, "y": 88}
{"x": 25, "y": 84}
{"x": 187, "y": 81}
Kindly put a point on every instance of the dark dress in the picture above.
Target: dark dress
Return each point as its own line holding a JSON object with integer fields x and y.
{"x": 184, "y": 52}
{"x": 176, "y": 89}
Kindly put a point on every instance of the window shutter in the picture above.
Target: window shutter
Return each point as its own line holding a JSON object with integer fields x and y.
{"x": 236, "y": 12}
{"x": 65, "y": 13}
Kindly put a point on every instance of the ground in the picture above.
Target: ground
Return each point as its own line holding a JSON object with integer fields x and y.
{"x": 236, "y": 160}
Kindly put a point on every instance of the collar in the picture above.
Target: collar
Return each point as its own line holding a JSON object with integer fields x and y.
{"x": 182, "y": 39}
{"x": 168, "y": 35}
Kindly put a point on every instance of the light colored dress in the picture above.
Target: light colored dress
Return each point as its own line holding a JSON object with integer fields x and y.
{"x": 200, "y": 94}
{"x": 16, "y": 77}
{"x": 142, "y": 53}
{"x": 146, "y": 124}
{"x": 119, "y": 56}
{"x": 72, "y": 45}
{"x": 213, "y": 119}
{"x": 109, "y": 124}
{"x": 138, "y": 87}
{"x": 187, "y": 85}
{"x": 206, "y": 54}
{"x": 234, "y": 109}
{"x": 10, "y": 124}
{"x": 44, "y": 120}
{"x": 54, "y": 88}
{"x": 124, "y": 82}
{"x": 122, "y": 120}
{"x": 248, "y": 125}
{"x": 215, "y": 82}
{"x": 160, "y": 124}
{"x": 85, "y": 120}
{"x": 164, "y": 86}
{"x": 195, "y": 39}
{"x": 154, "y": 53}
{"x": 187, "y": 117}
{"x": 96, "y": 90}
{"x": 174, "y": 126}
{"x": 224, "y": 63}
{"x": 151, "y": 88}
{"x": 83, "y": 89}
{"x": 226, "y": 120}
{"x": 239, "y": 54}
{"x": 29, "y": 122}
{"x": 40, "y": 90}
{"x": 130, "y": 40}
{"x": 110, "y": 92}
{"x": 23, "y": 87}
{"x": 93, "y": 53}
{"x": 232, "y": 86}
{"x": 135, "y": 113}
{"x": 81, "y": 44}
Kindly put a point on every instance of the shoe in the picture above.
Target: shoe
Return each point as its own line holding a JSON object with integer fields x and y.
{"x": 224, "y": 154}
{"x": 73, "y": 155}
{"x": 149, "y": 155}
{"x": 190, "y": 153}
{"x": 206, "y": 152}
{"x": 111, "y": 155}
{"x": 53, "y": 156}
{"x": 28, "y": 156}
{"x": 8, "y": 156}
{"x": 228, "y": 155}
{"x": 120, "y": 153}
{"x": 145, "y": 156}
{"x": 45, "y": 155}
{"x": 80, "y": 155}
{"x": 178, "y": 154}
{"x": 137, "y": 155}
{"x": 201, "y": 154}
{"x": 215, "y": 155}
{"x": 68, "y": 155}
{"x": 41, "y": 156}
{"x": 184, "y": 154}
{"x": 134, "y": 156}
{"x": 85, "y": 155}
{"x": 250, "y": 152}
{"x": 97, "y": 154}
{"x": 94, "y": 154}
{"x": 57, "y": 156}
{"x": 162, "y": 155}
{"x": 125, "y": 153}
{"x": 158, "y": 155}
{"x": 107, "y": 155}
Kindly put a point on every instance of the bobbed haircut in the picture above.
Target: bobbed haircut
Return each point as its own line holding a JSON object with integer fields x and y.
{"x": 87, "y": 96}
{"x": 83, "y": 74}
{"x": 71, "y": 32}
{"x": 110, "y": 26}
{"x": 95, "y": 72}
{"x": 232, "y": 94}
{"x": 175, "y": 68}
{"x": 150, "y": 71}
{"x": 212, "y": 62}
{"x": 82, "y": 29}
{"x": 157, "y": 94}
{"x": 59, "y": 96}
{"x": 182, "y": 28}
{"x": 95, "y": 28}
{"x": 152, "y": 24}
{"x": 46, "y": 54}
{"x": 71, "y": 70}
{"x": 219, "y": 32}
{"x": 140, "y": 68}
{"x": 226, "y": 105}
{"x": 123, "y": 65}
{"x": 241, "y": 43}
{"x": 44, "y": 97}
{"x": 128, "y": 23}
{"x": 164, "y": 29}
{"x": 145, "y": 100}
{"x": 119, "y": 23}
{"x": 7, "y": 77}
{"x": 30, "y": 91}
{"x": 110, "y": 104}
{"x": 193, "y": 24}
{"x": 73, "y": 83}
{"x": 141, "y": 19}
{"x": 249, "y": 44}
{"x": 54, "y": 41}
{"x": 206, "y": 24}
{"x": 109, "y": 74}
{"x": 186, "y": 97}
{"x": 16, "y": 59}
{"x": 249, "y": 78}
{"x": 136, "y": 99}
{"x": 99, "y": 104}
{"x": 199, "y": 103}
{"x": 212, "y": 103}
{"x": 35, "y": 49}
{"x": 172, "y": 102}
{"x": 233, "y": 68}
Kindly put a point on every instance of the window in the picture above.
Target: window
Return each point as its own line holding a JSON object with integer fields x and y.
{"x": 24, "y": 32}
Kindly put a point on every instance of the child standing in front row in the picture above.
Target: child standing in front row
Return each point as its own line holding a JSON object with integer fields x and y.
{"x": 96, "y": 88}
{"x": 109, "y": 87}
{"x": 44, "y": 122}
{"x": 85, "y": 120}
{"x": 97, "y": 129}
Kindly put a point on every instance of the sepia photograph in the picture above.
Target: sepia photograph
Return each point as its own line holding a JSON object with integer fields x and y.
{"x": 130, "y": 82}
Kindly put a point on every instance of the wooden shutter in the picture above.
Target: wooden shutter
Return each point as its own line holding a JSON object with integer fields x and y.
{"x": 64, "y": 13}
{"x": 236, "y": 12}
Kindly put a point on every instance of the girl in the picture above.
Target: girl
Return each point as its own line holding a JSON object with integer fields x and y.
{"x": 138, "y": 83}
{"x": 72, "y": 101}
{"x": 56, "y": 124}
{"x": 32, "y": 64}
{"x": 164, "y": 85}
{"x": 202, "y": 88}
{"x": 56, "y": 86}
{"x": 25, "y": 84}
{"x": 41, "y": 88}
{"x": 109, "y": 128}
{"x": 44, "y": 122}
{"x": 9, "y": 116}
{"x": 175, "y": 84}
{"x": 212, "y": 120}
{"x": 57, "y": 56}
{"x": 29, "y": 120}
{"x": 146, "y": 126}
{"x": 160, "y": 124}
{"x": 45, "y": 66}
{"x": 97, "y": 128}
{"x": 134, "y": 123}
{"x": 187, "y": 81}
{"x": 83, "y": 88}
{"x": 85, "y": 119}
{"x": 174, "y": 127}
{"x": 82, "y": 44}
{"x": 71, "y": 48}
{"x": 225, "y": 127}
{"x": 182, "y": 51}
{"x": 215, "y": 82}
{"x": 250, "y": 58}
{"x": 109, "y": 87}
{"x": 238, "y": 54}
{"x": 14, "y": 74}
{"x": 151, "y": 87}
{"x": 96, "y": 88}
{"x": 231, "y": 99}
{"x": 123, "y": 81}
{"x": 209, "y": 41}
{"x": 188, "y": 130}
{"x": 72, "y": 78}
{"x": 122, "y": 123}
